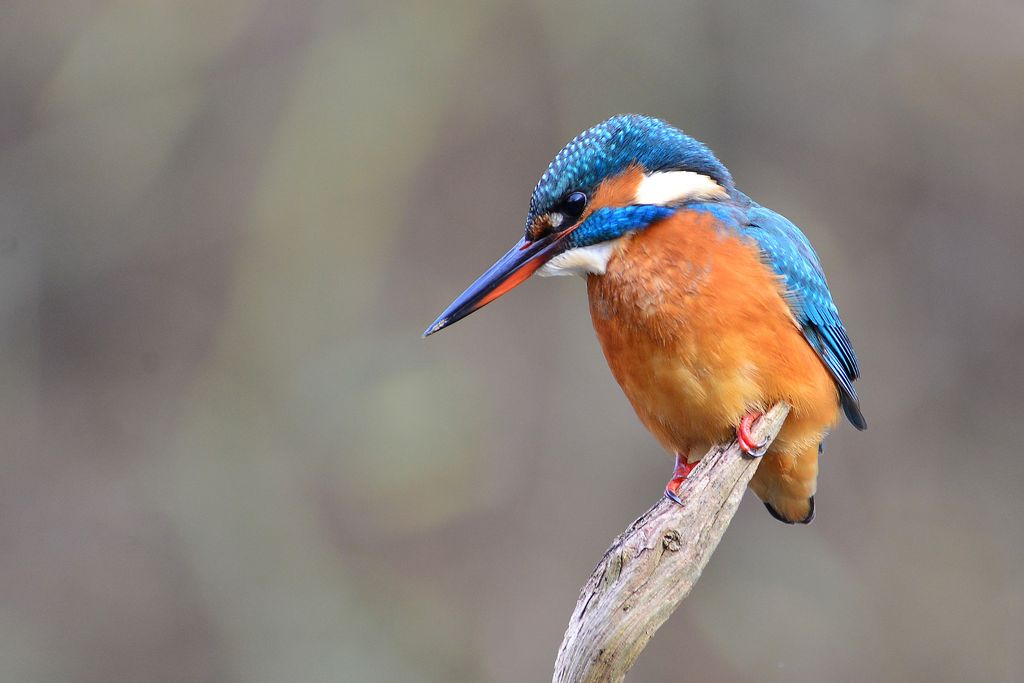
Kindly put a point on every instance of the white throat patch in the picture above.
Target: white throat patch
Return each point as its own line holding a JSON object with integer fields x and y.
{"x": 668, "y": 187}
{"x": 581, "y": 261}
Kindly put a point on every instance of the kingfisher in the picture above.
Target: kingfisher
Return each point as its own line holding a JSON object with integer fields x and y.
{"x": 709, "y": 307}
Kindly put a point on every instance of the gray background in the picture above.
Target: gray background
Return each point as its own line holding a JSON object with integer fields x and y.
{"x": 228, "y": 456}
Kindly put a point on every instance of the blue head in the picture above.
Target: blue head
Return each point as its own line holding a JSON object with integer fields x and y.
{"x": 612, "y": 146}
{"x": 615, "y": 178}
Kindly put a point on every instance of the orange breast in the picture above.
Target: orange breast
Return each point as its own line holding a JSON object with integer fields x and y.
{"x": 696, "y": 331}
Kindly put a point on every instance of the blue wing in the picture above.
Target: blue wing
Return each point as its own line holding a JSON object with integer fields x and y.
{"x": 788, "y": 252}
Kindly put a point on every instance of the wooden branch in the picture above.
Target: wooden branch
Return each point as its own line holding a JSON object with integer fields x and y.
{"x": 652, "y": 566}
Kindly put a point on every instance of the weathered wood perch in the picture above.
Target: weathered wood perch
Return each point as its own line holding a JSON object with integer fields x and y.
{"x": 654, "y": 563}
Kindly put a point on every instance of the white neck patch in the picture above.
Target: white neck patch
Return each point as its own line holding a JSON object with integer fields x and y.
{"x": 668, "y": 187}
{"x": 581, "y": 261}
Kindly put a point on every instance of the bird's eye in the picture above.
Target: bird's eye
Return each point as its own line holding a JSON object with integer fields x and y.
{"x": 574, "y": 205}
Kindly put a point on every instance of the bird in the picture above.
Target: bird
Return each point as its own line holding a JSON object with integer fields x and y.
{"x": 709, "y": 307}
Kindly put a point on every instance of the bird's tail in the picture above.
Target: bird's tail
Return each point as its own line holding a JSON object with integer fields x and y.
{"x": 786, "y": 482}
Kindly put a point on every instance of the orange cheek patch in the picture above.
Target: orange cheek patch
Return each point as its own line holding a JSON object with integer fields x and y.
{"x": 617, "y": 191}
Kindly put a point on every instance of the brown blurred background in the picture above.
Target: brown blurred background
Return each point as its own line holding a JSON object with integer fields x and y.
{"x": 228, "y": 456}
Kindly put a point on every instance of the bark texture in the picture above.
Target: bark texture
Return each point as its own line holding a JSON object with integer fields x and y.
{"x": 651, "y": 567}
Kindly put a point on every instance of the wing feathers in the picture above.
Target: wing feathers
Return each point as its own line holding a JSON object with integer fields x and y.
{"x": 787, "y": 251}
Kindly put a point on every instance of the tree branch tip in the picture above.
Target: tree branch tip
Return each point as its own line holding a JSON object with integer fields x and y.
{"x": 630, "y": 595}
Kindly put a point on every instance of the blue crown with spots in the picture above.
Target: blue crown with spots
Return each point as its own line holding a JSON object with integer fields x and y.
{"x": 610, "y": 147}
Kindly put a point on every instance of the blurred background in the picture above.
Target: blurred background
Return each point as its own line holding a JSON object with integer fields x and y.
{"x": 227, "y": 455}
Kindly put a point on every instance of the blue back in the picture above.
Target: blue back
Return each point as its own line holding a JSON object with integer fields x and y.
{"x": 788, "y": 252}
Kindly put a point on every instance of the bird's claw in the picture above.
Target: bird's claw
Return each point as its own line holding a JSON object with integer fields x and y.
{"x": 746, "y": 440}
{"x": 679, "y": 475}
{"x": 673, "y": 494}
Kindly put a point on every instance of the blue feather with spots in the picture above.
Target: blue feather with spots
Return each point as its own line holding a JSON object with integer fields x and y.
{"x": 610, "y": 147}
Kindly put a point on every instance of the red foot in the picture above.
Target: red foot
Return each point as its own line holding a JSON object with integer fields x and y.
{"x": 679, "y": 475}
{"x": 746, "y": 440}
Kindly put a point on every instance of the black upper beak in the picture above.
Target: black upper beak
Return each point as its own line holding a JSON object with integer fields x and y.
{"x": 511, "y": 270}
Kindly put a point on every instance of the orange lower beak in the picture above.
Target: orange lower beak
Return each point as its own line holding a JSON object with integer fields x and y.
{"x": 510, "y": 271}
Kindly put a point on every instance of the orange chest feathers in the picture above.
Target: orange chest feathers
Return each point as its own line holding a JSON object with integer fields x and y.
{"x": 696, "y": 331}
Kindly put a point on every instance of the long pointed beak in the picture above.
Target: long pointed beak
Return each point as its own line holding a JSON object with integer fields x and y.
{"x": 511, "y": 270}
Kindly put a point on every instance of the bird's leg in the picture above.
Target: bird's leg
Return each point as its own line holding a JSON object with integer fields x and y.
{"x": 679, "y": 475}
{"x": 746, "y": 440}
